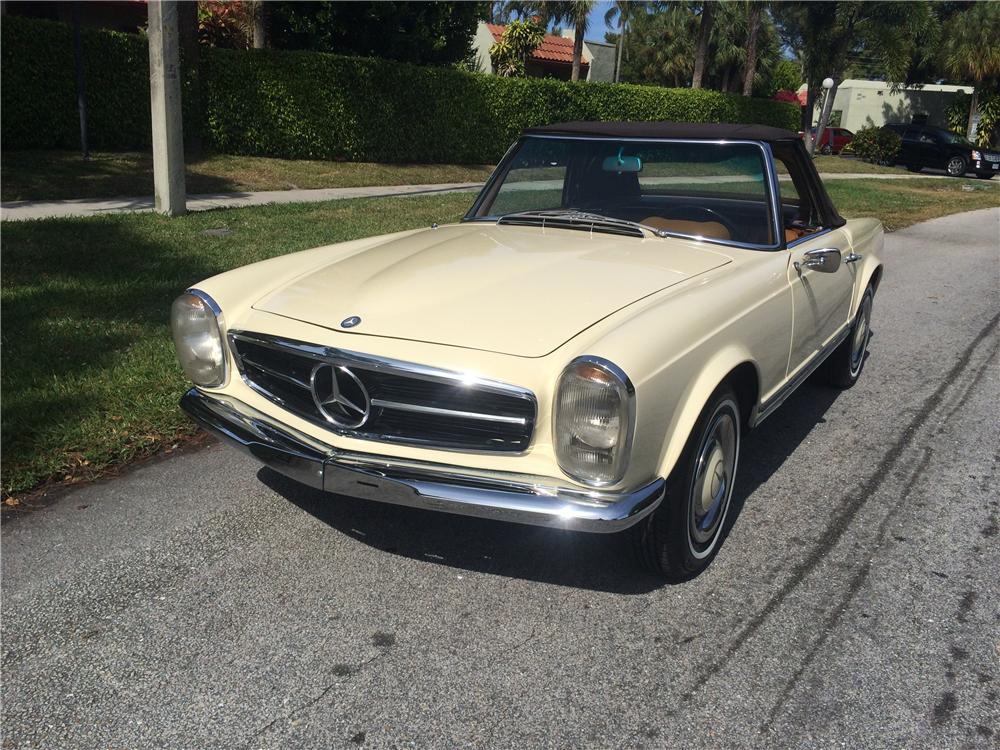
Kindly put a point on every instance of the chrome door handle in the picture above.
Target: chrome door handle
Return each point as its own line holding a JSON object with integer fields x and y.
{"x": 852, "y": 257}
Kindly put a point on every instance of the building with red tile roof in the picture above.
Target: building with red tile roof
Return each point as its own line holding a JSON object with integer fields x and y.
{"x": 553, "y": 58}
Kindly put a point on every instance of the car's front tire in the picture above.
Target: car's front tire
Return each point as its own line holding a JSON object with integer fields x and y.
{"x": 682, "y": 536}
{"x": 956, "y": 166}
{"x": 844, "y": 366}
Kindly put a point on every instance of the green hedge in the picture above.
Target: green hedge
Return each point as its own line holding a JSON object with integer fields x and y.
{"x": 313, "y": 105}
{"x": 38, "y": 87}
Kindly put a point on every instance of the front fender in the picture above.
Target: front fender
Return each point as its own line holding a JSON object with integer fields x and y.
{"x": 700, "y": 383}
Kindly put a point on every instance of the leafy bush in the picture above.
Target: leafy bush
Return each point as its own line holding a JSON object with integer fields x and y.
{"x": 314, "y": 105}
{"x": 876, "y": 145}
{"x": 38, "y": 87}
{"x": 957, "y": 115}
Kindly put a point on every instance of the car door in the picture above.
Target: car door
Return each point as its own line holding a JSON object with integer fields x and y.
{"x": 909, "y": 151}
{"x": 821, "y": 276}
{"x": 930, "y": 149}
{"x": 819, "y": 267}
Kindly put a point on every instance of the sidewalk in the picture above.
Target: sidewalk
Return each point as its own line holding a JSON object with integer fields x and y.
{"x": 23, "y": 210}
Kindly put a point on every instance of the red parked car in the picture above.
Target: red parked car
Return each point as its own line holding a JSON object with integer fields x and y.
{"x": 834, "y": 140}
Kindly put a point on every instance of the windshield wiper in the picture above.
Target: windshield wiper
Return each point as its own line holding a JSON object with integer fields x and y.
{"x": 583, "y": 217}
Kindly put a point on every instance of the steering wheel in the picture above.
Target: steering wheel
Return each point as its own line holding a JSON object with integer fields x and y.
{"x": 711, "y": 214}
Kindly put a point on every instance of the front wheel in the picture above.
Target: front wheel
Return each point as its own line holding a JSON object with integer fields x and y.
{"x": 682, "y": 536}
{"x": 956, "y": 166}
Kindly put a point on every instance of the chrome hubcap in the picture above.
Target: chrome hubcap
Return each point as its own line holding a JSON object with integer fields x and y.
{"x": 860, "y": 341}
{"x": 713, "y": 478}
{"x": 955, "y": 166}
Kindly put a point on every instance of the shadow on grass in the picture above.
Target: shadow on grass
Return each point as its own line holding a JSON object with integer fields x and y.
{"x": 587, "y": 561}
{"x": 64, "y": 175}
{"x": 79, "y": 299}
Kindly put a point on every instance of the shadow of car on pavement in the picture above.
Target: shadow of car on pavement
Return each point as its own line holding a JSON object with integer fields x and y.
{"x": 599, "y": 562}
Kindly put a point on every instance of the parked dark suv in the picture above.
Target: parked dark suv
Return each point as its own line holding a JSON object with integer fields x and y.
{"x": 926, "y": 146}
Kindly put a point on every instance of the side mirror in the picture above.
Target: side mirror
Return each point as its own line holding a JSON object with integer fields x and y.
{"x": 824, "y": 260}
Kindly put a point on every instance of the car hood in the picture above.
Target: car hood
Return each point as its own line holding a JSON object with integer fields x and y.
{"x": 514, "y": 290}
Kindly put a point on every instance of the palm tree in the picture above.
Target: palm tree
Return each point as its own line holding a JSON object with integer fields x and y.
{"x": 577, "y": 13}
{"x": 970, "y": 50}
{"x": 701, "y": 53}
{"x": 623, "y": 11}
{"x": 753, "y": 30}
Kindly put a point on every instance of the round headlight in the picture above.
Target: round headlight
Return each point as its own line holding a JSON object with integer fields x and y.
{"x": 594, "y": 417}
{"x": 195, "y": 323}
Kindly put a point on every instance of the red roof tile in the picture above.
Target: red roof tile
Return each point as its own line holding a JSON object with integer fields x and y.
{"x": 557, "y": 49}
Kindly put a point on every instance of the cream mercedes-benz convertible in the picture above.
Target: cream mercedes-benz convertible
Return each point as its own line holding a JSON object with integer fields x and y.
{"x": 586, "y": 349}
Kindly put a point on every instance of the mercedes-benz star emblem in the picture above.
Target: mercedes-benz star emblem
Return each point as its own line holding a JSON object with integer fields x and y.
{"x": 339, "y": 395}
{"x": 350, "y": 322}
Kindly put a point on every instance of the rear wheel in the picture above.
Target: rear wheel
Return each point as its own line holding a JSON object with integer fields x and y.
{"x": 956, "y": 166}
{"x": 682, "y": 536}
{"x": 843, "y": 367}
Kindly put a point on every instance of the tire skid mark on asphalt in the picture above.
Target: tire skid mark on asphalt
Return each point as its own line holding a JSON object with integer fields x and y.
{"x": 853, "y": 502}
{"x": 838, "y": 611}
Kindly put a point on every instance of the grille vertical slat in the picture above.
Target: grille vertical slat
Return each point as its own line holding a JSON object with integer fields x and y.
{"x": 409, "y": 403}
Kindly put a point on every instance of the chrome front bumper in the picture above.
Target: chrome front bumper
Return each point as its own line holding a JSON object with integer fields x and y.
{"x": 451, "y": 489}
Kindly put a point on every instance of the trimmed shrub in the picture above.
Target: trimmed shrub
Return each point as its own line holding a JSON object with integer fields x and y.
{"x": 876, "y": 145}
{"x": 315, "y": 105}
{"x": 38, "y": 87}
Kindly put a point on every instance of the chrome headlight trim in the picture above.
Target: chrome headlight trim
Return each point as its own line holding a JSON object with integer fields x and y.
{"x": 220, "y": 327}
{"x": 624, "y": 445}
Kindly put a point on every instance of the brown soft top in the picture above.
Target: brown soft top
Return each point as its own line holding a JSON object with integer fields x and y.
{"x": 687, "y": 130}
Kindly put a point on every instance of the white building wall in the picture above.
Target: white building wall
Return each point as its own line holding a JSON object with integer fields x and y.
{"x": 481, "y": 45}
{"x": 864, "y": 103}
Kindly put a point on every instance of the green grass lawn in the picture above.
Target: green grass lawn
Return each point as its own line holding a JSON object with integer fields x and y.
{"x": 50, "y": 175}
{"x": 850, "y": 165}
{"x": 89, "y": 377}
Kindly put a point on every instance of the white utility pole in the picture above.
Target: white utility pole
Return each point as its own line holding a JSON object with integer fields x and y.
{"x": 165, "y": 108}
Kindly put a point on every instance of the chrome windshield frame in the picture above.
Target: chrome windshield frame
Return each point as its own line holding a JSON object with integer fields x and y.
{"x": 770, "y": 177}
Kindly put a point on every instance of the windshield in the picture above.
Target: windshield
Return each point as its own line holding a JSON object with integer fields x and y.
{"x": 715, "y": 191}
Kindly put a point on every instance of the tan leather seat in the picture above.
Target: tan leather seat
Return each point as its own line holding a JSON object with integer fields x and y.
{"x": 712, "y": 229}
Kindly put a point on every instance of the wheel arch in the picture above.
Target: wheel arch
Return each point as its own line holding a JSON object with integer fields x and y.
{"x": 733, "y": 367}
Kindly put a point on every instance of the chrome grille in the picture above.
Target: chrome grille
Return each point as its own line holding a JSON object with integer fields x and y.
{"x": 409, "y": 403}
{"x": 991, "y": 157}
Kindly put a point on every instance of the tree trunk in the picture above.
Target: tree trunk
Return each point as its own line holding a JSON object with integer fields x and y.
{"x": 578, "y": 49}
{"x": 621, "y": 46}
{"x": 259, "y": 34}
{"x": 725, "y": 79}
{"x": 973, "y": 109}
{"x": 751, "y": 69}
{"x": 824, "y": 116}
{"x": 807, "y": 110}
{"x": 704, "y": 32}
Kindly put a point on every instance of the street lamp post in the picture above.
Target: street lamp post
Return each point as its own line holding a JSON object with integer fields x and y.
{"x": 824, "y": 116}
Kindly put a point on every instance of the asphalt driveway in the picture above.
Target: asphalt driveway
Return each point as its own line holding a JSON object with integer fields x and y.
{"x": 202, "y": 602}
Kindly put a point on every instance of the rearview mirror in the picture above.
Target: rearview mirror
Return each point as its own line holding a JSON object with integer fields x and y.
{"x": 622, "y": 163}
